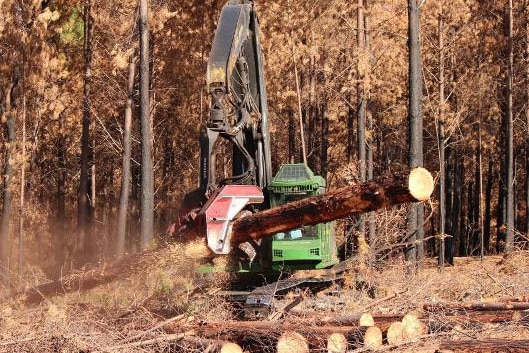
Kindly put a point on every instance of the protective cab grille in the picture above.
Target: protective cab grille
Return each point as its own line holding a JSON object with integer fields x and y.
{"x": 278, "y": 253}
{"x": 315, "y": 251}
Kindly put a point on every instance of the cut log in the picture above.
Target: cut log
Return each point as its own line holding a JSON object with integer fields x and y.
{"x": 412, "y": 327}
{"x": 477, "y": 306}
{"x": 486, "y": 346}
{"x": 416, "y": 186}
{"x": 231, "y": 348}
{"x": 336, "y": 343}
{"x": 395, "y": 333}
{"x": 366, "y": 320}
{"x": 292, "y": 342}
{"x": 373, "y": 337}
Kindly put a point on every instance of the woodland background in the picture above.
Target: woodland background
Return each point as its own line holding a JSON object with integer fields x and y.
{"x": 66, "y": 62}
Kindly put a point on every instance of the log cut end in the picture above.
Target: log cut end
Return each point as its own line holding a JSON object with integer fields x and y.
{"x": 336, "y": 343}
{"x": 292, "y": 342}
{"x": 366, "y": 320}
{"x": 395, "y": 333}
{"x": 413, "y": 328}
{"x": 420, "y": 184}
{"x": 373, "y": 337}
{"x": 231, "y": 348}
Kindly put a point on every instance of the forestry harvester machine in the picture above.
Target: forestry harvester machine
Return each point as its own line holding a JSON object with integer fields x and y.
{"x": 268, "y": 225}
{"x": 236, "y": 138}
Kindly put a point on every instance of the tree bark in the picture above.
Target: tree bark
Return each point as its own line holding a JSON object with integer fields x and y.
{"x": 324, "y": 141}
{"x": 478, "y": 306}
{"x": 441, "y": 144}
{"x": 361, "y": 109}
{"x": 60, "y": 216}
{"x": 5, "y": 251}
{"x": 147, "y": 174}
{"x": 488, "y": 201}
{"x": 336, "y": 204}
{"x": 125, "y": 175}
{"x": 487, "y": 345}
{"x": 509, "y": 239}
{"x": 415, "y": 211}
{"x": 83, "y": 202}
{"x": 22, "y": 208}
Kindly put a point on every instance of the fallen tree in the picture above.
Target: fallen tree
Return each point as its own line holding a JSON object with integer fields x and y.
{"x": 416, "y": 185}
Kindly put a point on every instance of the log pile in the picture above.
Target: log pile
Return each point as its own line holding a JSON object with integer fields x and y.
{"x": 339, "y": 334}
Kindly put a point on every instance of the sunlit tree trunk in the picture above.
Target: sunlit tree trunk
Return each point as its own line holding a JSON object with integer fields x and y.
{"x": 147, "y": 173}
{"x": 415, "y": 217}
{"x": 361, "y": 105}
{"x": 22, "y": 211}
{"x": 125, "y": 174}
{"x": 5, "y": 234}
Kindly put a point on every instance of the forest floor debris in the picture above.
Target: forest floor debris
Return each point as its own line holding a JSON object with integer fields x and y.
{"x": 158, "y": 305}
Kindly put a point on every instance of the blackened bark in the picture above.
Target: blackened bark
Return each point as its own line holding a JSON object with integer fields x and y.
{"x": 449, "y": 197}
{"x": 350, "y": 134}
{"x": 488, "y": 206}
{"x": 509, "y": 238}
{"x": 324, "y": 141}
{"x": 61, "y": 221}
{"x": 291, "y": 136}
{"x": 415, "y": 211}
{"x": 83, "y": 202}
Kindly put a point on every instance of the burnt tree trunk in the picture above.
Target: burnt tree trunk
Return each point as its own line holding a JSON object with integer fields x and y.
{"x": 83, "y": 202}
{"x": 488, "y": 201}
{"x": 125, "y": 176}
{"x": 5, "y": 245}
{"x": 509, "y": 177}
{"x": 324, "y": 141}
{"x": 415, "y": 216}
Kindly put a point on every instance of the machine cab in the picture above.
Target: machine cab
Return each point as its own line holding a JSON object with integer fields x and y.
{"x": 308, "y": 247}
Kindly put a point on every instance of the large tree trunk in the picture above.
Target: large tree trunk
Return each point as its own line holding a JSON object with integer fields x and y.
{"x": 5, "y": 251}
{"x": 125, "y": 175}
{"x": 60, "y": 216}
{"x": 488, "y": 201}
{"x": 22, "y": 208}
{"x": 509, "y": 240}
{"x": 441, "y": 144}
{"x": 83, "y": 202}
{"x": 415, "y": 216}
{"x": 147, "y": 168}
{"x": 336, "y": 204}
{"x": 361, "y": 109}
